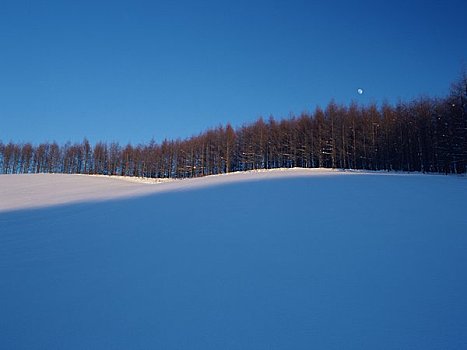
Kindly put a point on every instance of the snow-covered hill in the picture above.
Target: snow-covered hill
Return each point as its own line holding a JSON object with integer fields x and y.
{"x": 40, "y": 190}
{"x": 269, "y": 260}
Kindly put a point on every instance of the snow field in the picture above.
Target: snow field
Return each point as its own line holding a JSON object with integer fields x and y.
{"x": 367, "y": 261}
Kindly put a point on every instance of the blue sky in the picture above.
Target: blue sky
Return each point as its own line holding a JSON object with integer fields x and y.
{"x": 130, "y": 71}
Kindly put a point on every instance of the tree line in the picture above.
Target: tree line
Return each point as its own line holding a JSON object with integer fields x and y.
{"x": 425, "y": 135}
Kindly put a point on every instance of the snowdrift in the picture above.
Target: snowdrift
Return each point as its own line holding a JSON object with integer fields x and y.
{"x": 273, "y": 260}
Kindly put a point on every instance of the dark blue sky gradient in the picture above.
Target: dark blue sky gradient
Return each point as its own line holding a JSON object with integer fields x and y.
{"x": 132, "y": 70}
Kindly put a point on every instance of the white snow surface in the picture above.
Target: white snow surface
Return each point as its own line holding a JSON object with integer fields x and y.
{"x": 285, "y": 259}
{"x": 39, "y": 190}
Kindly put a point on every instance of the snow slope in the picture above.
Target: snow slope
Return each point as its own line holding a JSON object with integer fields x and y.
{"x": 360, "y": 261}
{"x": 39, "y": 190}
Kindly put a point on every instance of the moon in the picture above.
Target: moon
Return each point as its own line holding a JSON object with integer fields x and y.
{"x": 359, "y": 91}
